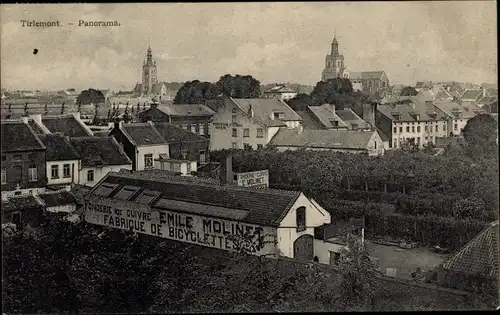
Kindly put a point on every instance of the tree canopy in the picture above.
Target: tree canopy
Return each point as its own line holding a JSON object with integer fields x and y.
{"x": 408, "y": 91}
{"x": 90, "y": 96}
{"x": 481, "y": 133}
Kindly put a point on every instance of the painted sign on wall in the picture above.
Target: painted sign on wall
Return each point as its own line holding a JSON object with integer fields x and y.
{"x": 253, "y": 179}
{"x": 188, "y": 228}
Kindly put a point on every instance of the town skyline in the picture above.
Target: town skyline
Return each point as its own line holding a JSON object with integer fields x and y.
{"x": 206, "y": 41}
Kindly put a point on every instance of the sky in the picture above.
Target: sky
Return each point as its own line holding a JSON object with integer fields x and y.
{"x": 273, "y": 42}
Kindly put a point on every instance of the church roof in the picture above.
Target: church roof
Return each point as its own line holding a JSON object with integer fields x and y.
{"x": 370, "y": 75}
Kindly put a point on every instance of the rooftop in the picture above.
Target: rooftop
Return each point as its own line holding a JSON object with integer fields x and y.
{"x": 19, "y": 203}
{"x": 479, "y": 256}
{"x": 330, "y": 139}
{"x": 178, "y": 193}
{"x": 280, "y": 89}
{"x": 263, "y": 109}
{"x": 142, "y": 134}
{"x": 67, "y": 124}
{"x": 327, "y": 115}
{"x": 173, "y": 133}
{"x": 18, "y": 136}
{"x": 349, "y": 117}
{"x": 308, "y": 121}
{"x": 58, "y": 199}
{"x": 450, "y": 108}
{"x": 99, "y": 151}
{"x": 58, "y": 148}
{"x": 186, "y": 110}
{"x": 409, "y": 112}
{"x": 471, "y": 94}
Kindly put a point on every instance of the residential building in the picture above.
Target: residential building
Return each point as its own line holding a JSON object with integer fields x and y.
{"x": 23, "y": 159}
{"x": 458, "y": 115}
{"x": 142, "y": 142}
{"x": 99, "y": 156}
{"x": 350, "y": 141}
{"x": 280, "y": 92}
{"x": 367, "y": 81}
{"x": 63, "y": 162}
{"x": 476, "y": 263}
{"x": 416, "y": 122}
{"x": 250, "y": 123}
{"x": 184, "y": 167}
{"x": 209, "y": 215}
{"x": 193, "y": 117}
{"x": 185, "y": 145}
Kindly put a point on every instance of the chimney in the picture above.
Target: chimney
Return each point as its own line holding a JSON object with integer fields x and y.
{"x": 77, "y": 115}
{"x": 154, "y": 105}
{"x": 484, "y": 91}
{"x": 413, "y": 105}
{"x": 250, "y": 111}
{"x": 118, "y": 124}
{"x": 331, "y": 107}
{"x": 368, "y": 113}
{"x": 226, "y": 169}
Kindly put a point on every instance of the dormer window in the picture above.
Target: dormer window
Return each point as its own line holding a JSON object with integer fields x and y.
{"x": 334, "y": 123}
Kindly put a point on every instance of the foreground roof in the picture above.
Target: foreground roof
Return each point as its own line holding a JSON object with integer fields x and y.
{"x": 479, "y": 256}
{"x": 58, "y": 148}
{"x": 178, "y": 193}
{"x": 20, "y": 203}
{"x": 349, "y": 117}
{"x": 19, "y": 136}
{"x": 328, "y": 139}
{"x": 450, "y": 108}
{"x": 58, "y": 199}
{"x": 99, "y": 151}
{"x": 142, "y": 134}
{"x": 308, "y": 121}
{"x": 67, "y": 124}
{"x": 326, "y": 114}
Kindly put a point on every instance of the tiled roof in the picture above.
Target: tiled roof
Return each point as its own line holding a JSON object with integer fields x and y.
{"x": 35, "y": 126}
{"x": 350, "y": 117}
{"x": 468, "y": 111}
{"x": 406, "y": 112}
{"x": 442, "y": 95}
{"x": 331, "y": 139}
{"x": 471, "y": 94}
{"x": 425, "y": 95}
{"x": 488, "y": 100}
{"x": 307, "y": 121}
{"x": 58, "y": 148}
{"x": 173, "y": 133}
{"x": 21, "y": 203}
{"x": 258, "y": 206}
{"x": 186, "y": 110}
{"x": 18, "y": 136}
{"x": 98, "y": 151}
{"x": 382, "y": 135}
{"x": 263, "y": 108}
{"x": 326, "y": 115}
{"x": 354, "y": 75}
{"x": 67, "y": 124}
{"x": 58, "y": 199}
{"x": 479, "y": 256}
{"x": 142, "y": 134}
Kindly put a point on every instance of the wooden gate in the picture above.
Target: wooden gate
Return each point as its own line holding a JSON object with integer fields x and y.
{"x": 303, "y": 248}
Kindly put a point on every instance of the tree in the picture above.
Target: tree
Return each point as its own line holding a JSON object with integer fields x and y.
{"x": 62, "y": 109}
{"x": 300, "y": 102}
{"x": 26, "y": 109}
{"x": 109, "y": 115}
{"x": 126, "y": 115}
{"x": 90, "y": 96}
{"x": 138, "y": 107}
{"x": 481, "y": 133}
{"x": 195, "y": 92}
{"x": 408, "y": 91}
{"x": 46, "y": 110}
{"x": 238, "y": 86}
{"x": 336, "y": 91}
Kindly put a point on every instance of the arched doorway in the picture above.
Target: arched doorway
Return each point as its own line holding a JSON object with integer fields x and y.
{"x": 303, "y": 248}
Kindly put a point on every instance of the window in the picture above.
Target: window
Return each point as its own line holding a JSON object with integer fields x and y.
{"x": 246, "y": 132}
{"x": 90, "y": 175}
{"x": 444, "y": 127}
{"x": 412, "y": 128}
{"x": 301, "y": 219}
{"x": 426, "y": 129}
{"x": 276, "y": 115}
{"x": 54, "y": 171}
{"x": 202, "y": 157}
{"x": 400, "y": 129}
{"x": 202, "y": 130}
{"x": 234, "y": 120}
{"x": 197, "y": 128}
{"x": 334, "y": 258}
{"x": 246, "y": 146}
{"x": 18, "y": 157}
{"x": 418, "y": 128}
{"x": 189, "y": 168}
{"x": 260, "y": 133}
{"x": 234, "y": 145}
{"x": 395, "y": 143}
{"x": 66, "y": 171}
{"x": 4, "y": 158}
{"x": 193, "y": 128}
{"x": 407, "y": 128}
{"x": 260, "y": 146}
{"x": 148, "y": 160}
{"x": 395, "y": 129}
{"x": 455, "y": 127}
{"x": 4, "y": 176}
{"x": 32, "y": 175}
{"x": 234, "y": 109}
{"x": 235, "y": 132}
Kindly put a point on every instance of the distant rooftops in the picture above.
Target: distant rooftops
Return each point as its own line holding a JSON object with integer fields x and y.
{"x": 325, "y": 139}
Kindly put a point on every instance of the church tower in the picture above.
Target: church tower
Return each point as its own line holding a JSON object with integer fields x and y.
{"x": 334, "y": 64}
{"x": 148, "y": 73}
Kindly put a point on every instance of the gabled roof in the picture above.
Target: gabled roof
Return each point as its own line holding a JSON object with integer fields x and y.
{"x": 327, "y": 139}
{"x": 325, "y": 114}
{"x": 61, "y": 198}
{"x": 488, "y": 100}
{"x": 467, "y": 111}
{"x": 173, "y": 133}
{"x": 99, "y": 151}
{"x": 58, "y": 148}
{"x": 424, "y": 84}
{"x": 408, "y": 113}
{"x": 308, "y": 121}
{"x": 186, "y": 110}
{"x": 280, "y": 89}
{"x": 471, "y": 95}
{"x": 443, "y": 95}
{"x": 349, "y": 117}
{"x": 67, "y": 124}
{"x": 370, "y": 75}
{"x": 263, "y": 108}
{"x": 19, "y": 136}
{"x": 258, "y": 206}
{"x": 36, "y": 128}
{"x": 479, "y": 256}
{"x": 142, "y": 134}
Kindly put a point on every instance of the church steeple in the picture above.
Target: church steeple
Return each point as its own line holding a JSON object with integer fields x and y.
{"x": 149, "y": 56}
{"x": 335, "y": 46}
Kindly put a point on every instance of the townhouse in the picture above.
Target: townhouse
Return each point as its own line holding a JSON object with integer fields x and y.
{"x": 250, "y": 123}
{"x": 457, "y": 114}
{"x": 193, "y": 117}
{"x": 142, "y": 142}
{"x": 417, "y": 122}
{"x": 23, "y": 159}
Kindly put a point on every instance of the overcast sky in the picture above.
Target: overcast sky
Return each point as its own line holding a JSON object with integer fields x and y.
{"x": 273, "y": 42}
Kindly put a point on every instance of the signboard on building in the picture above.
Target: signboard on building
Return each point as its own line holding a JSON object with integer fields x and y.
{"x": 221, "y": 126}
{"x": 183, "y": 227}
{"x": 253, "y": 179}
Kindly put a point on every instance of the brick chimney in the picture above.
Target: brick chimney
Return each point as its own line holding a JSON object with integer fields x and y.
{"x": 226, "y": 169}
